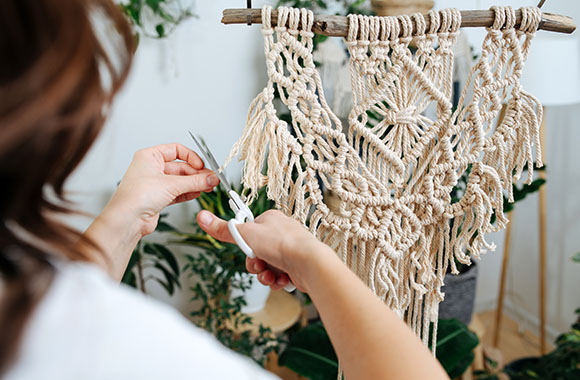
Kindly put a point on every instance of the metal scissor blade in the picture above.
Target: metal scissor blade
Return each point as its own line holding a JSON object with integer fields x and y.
{"x": 211, "y": 161}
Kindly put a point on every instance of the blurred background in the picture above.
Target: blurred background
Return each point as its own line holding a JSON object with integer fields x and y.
{"x": 203, "y": 76}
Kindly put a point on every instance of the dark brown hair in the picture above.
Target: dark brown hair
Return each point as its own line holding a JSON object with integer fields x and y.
{"x": 62, "y": 63}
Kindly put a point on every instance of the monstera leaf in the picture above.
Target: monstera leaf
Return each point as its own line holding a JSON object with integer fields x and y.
{"x": 455, "y": 344}
{"x": 310, "y": 354}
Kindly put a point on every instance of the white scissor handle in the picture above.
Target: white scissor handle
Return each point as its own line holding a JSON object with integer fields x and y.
{"x": 239, "y": 239}
{"x": 244, "y": 215}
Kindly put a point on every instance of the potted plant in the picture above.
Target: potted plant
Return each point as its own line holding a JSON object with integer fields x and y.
{"x": 561, "y": 364}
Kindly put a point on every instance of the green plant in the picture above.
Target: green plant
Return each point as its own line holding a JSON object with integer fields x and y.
{"x": 166, "y": 15}
{"x": 561, "y": 364}
{"x": 455, "y": 344}
{"x": 309, "y": 352}
{"x": 217, "y": 268}
{"x": 157, "y": 259}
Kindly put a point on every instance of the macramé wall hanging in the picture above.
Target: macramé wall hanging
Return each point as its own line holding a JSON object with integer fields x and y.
{"x": 396, "y": 225}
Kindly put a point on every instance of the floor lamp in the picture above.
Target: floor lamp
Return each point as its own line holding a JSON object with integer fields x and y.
{"x": 552, "y": 74}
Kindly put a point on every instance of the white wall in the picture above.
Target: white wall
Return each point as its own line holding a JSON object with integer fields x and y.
{"x": 204, "y": 77}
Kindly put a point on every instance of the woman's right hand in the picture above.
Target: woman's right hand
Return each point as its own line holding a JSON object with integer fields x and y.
{"x": 357, "y": 321}
{"x": 277, "y": 241}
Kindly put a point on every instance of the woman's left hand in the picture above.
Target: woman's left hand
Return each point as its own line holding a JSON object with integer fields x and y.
{"x": 158, "y": 177}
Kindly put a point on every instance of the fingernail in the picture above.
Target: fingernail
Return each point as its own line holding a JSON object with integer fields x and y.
{"x": 205, "y": 218}
{"x": 281, "y": 281}
{"x": 212, "y": 180}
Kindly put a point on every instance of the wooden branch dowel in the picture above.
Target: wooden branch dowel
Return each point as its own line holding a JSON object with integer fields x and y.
{"x": 337, "y": 26}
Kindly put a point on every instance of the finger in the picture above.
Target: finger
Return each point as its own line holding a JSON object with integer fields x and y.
{"x": 275, "y": 286}
{"x": 186, "y": 197}
{"x": 282, "y": 280}
{"x": 267, "y": 277}
{"x": 181, "y": 168}
{"x": 214, "y": 226}
{"x": 172, "y": 152}
{"x": 250, "y": 262}
{"x": 193, "y": 183}
{"x": 255, "y": 265}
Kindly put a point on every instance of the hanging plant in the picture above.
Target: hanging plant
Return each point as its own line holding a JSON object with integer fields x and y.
{"x": 157, "y": 18}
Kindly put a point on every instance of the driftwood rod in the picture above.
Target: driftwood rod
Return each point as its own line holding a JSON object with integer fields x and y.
{"x": 337, "y": 26}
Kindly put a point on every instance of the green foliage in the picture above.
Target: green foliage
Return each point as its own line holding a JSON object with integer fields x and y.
{"x": 217, "y": 268}
{"x": 576, "y": 258}
{"x": 168, "y": 14}
{"x": 156, "y": 257}
{"x": 455, "y": 344}
{"x": 310, "y": 354}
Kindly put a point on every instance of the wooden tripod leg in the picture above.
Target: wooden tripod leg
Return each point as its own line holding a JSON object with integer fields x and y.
{"x": 504, "y": 263}
{"x": 542, "y": 242}
{"x": 504, "y": 269}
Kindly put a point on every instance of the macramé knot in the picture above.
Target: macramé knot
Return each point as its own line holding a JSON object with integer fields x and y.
{"x": 400, "y": 222}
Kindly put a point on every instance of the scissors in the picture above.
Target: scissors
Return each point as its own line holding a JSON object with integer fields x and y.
{"x": 242, "y": 211}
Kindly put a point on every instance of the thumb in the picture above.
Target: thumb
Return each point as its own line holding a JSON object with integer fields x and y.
{"x": 193, "y": 183}
{"x": 214, "y": 226}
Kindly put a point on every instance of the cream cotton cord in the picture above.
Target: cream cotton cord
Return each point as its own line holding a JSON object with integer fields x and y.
{"x": 396, "y": 225}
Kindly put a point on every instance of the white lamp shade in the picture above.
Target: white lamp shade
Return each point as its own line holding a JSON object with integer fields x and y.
{"x": 552, "y": 71}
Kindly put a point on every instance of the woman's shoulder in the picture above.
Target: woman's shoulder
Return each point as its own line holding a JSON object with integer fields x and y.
{"x": 87, "y": 326}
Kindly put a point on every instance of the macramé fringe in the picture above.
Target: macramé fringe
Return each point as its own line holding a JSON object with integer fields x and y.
{"x": 396, "y": 225}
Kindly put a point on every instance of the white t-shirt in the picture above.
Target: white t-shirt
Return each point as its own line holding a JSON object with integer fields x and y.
{"x": 88, "y": 327}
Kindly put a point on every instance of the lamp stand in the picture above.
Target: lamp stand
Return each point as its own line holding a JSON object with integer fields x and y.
{"x": 504, "y": 266}
{"x": 542, "y": 240}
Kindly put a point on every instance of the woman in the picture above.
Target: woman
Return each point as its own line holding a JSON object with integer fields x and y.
{"x": 63, "y": 314}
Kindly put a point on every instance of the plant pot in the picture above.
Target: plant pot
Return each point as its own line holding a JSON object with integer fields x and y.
{"x": 518, "y": 368}
{"x": 459, "y": 290}
{"x": 401, "y": 7}
{"x": 255, "y": 297}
